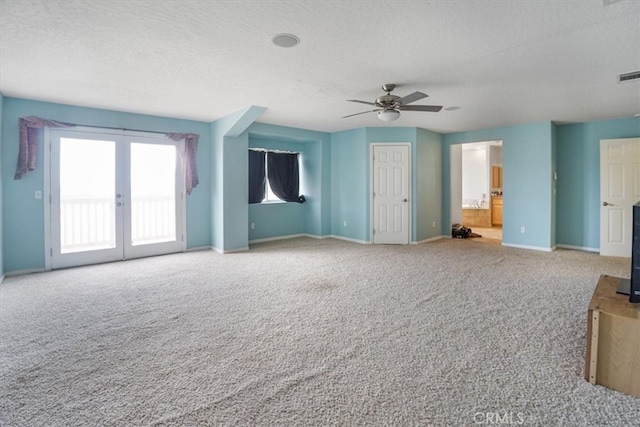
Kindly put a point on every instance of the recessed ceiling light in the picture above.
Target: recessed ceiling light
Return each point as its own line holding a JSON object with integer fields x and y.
{"x": 285, "y": 40}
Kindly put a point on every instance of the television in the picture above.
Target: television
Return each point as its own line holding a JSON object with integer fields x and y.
{"x": 631, "y": 286}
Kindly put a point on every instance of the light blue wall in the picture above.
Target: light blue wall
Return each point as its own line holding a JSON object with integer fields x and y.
{"x": 23, "y": 216}
{"x": 313, "y": 216}
{"x": 279, "y": 219}
{"x": 285, "y": 219}
{"x": 1, "y": 181}
{"x": 336, "y": 175}
{"x": 527, "y": 164}
{"x": 578, "y": 186}
{"x": 350, "y": 184}
{"x": 236, "y": 192}
{"x": 229, "y": 183}
{"x": 351, "y": 176}
{"x": 428, "y": 185}
{"x": 554, "y": 184}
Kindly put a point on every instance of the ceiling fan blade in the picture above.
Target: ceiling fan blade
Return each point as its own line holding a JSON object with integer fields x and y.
{"x": 364, "y": 112}
{"x": 412, "y": 97}
{"x": 432, "y": 108}
{"x": 361, "y": 102}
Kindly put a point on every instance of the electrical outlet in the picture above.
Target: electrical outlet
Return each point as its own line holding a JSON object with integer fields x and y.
{"x": 523, "y": 229}
{"x": 345, "y": 223}
{"x": 253, "y": 225}
{"x": 433, "y": 224}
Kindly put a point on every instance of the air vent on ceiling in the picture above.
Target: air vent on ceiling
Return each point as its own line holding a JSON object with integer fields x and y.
{"x": 627, "y": 77}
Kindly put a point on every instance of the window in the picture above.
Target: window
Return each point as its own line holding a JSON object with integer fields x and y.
{"x": 274, "y": 176}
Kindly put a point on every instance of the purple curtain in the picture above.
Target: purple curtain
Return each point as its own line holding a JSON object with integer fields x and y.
{"x": 190, "y": 149}
{"x": 28, "y": 148}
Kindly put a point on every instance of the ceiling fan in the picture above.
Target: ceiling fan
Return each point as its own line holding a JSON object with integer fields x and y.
{"x": 389, "y": 106}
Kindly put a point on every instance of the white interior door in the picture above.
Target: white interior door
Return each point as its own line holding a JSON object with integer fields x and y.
{"x": 391, "y": 191}
{"x": 113, "y": 196}
{"x": 619, "y": 191}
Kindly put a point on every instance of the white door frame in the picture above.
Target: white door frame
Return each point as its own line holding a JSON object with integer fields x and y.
{"x": 47, "y": 196}
{"x": 371, "y": 188}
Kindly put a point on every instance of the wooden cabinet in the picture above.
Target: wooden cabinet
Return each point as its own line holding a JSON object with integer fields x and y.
{"x": 613, "y": 339}
{"x": 496, "y": 211}
{"x": 496, "y": 177}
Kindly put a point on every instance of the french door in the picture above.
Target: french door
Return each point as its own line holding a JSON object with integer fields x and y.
{"x": 114, "y": 196}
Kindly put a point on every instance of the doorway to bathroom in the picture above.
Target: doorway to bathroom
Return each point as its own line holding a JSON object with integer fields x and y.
{"x": 477, "y": 188}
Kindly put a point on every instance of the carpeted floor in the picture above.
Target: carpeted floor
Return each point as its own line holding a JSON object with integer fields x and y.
{"x": 309, "y": 332}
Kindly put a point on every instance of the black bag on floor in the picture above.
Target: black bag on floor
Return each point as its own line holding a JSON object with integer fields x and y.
{"x": 459, "y": 231}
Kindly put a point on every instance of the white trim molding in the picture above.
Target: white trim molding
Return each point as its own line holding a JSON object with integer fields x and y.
{"x": 429, "y": 240}
{"x": 23, "y": 272}
{"x": 579, "y": 248}
{"x": 199, "y": 248}
{"x": 533, "y": 248}
{"x": 230, "y": 251}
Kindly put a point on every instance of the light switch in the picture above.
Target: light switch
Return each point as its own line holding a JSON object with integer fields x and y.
{"x": 38, "y": 194}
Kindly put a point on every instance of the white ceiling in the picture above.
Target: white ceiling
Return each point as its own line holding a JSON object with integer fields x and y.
{"x": 501, "y": 62}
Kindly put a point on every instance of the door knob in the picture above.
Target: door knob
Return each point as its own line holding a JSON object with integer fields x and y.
{"x": 405, "y": 200}
{"x": 607, "y": 204}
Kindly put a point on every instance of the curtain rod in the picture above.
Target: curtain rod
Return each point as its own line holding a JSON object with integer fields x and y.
{"x": 273, "y": 151}
{"x": 120, "y": 128}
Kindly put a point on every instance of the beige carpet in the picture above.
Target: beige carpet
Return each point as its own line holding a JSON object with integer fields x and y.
{"x": 308, "y": 332}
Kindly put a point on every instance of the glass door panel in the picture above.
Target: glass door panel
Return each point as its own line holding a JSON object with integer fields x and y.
{"x": 87, "y": 195}
{"x": 153, "y": 193}
{"x": 86, "y": 219}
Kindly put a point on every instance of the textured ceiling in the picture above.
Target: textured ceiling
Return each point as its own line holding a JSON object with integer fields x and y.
{"x": 500, "y": 62}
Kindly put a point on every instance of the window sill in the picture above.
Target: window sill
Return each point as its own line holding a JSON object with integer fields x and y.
{"x": 272, "y": 202}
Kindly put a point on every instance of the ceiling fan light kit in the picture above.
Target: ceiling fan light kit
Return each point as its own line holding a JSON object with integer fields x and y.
{"x": 388, "y": 115}
{"x": 389, "y": 106}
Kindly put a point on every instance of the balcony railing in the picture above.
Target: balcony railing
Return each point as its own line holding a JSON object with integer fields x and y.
{"x": 89, "y": 223}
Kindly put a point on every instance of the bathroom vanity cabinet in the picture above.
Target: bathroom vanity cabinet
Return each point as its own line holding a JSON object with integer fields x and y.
{"x": 476, "y": 217}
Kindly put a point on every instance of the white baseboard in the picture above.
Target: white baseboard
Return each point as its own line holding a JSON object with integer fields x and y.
{"x": 22, "y": 272}
{"x": 580, "y": 248}
{"x": 230, "y": 251}
{"x": 2, "y": 278}
{"x": 431, "y": 239}
{"x": 271, "y": 239}
{"x": 349, "y": 239}
{"x": 533, "y": 248}
{"x": 200, "y": 248}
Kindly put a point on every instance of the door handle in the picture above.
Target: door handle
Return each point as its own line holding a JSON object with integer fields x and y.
{"x": 607, "y": 204}
{"x": 405, "y": 200}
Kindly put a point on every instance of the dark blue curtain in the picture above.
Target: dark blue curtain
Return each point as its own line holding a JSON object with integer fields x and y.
{"x": 257, "y": 177}
{"x": 282, "y": 169}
